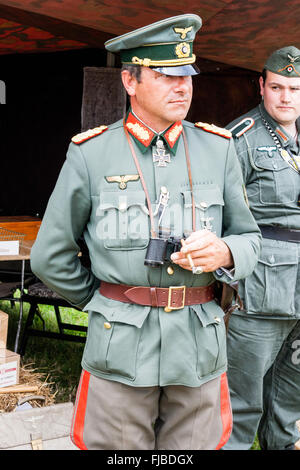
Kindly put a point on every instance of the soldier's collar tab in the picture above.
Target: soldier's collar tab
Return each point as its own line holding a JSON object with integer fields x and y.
{"x": 141, "y": 133}
{"x": 280, "y": 132}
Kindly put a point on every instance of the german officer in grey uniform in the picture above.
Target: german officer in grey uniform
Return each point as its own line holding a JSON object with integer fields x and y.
{"x": 263, "y": 339}
{"x": 161, "y": 206}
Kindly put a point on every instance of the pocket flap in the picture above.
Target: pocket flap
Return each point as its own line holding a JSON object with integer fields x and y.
{"x": 121, "y": 201}
{"x": 272, "y": 257}
{"x": 204, "y": 198}
{"x": 115, "y": 311}
{"x": 208, "y": 313}
{"x": 274, "y": 164}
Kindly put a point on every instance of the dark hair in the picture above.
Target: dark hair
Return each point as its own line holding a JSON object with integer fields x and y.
{"x": 264, "y": 75}
{"x": 134, "y": 70}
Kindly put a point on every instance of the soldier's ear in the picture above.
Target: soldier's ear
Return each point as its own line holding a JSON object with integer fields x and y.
{"x": 262, "y": 86}
{"x": 129, "y": 82}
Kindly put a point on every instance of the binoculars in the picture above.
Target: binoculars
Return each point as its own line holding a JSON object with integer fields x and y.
{"x": 160, "y": 250}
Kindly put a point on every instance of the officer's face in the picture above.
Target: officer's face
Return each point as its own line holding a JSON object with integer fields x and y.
{"x": 160, "y": 100}
{"x": 281, "y": 97}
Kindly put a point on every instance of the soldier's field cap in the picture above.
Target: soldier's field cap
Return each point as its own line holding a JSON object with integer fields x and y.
{"x": 285, "y": 61}
{"x": 166, "y": 46}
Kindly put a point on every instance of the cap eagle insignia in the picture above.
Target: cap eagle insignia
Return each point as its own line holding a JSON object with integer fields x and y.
{"x": 183, "y": 31}
{"x": 293, "y": 59}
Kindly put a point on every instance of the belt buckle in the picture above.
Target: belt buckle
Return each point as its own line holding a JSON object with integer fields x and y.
{"x": 169, "y": 308}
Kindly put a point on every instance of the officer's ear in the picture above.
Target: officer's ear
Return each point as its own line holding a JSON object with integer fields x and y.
{"x": 129, "y": 82}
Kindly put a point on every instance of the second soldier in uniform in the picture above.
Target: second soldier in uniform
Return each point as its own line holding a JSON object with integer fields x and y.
{"x": 264, "y": 371}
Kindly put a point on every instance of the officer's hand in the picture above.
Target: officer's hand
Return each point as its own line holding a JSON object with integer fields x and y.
{"x": 206, "y": 250}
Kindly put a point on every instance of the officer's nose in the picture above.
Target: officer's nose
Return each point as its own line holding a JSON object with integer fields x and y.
{"x": 182, "y": 84}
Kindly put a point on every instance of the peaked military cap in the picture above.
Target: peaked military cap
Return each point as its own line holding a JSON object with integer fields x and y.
{"x": 166, "y": 46}
{"x": 285, "y": 61}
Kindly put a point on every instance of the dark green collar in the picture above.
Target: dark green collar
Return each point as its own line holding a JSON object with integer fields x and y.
{"x": 144, "y": 136}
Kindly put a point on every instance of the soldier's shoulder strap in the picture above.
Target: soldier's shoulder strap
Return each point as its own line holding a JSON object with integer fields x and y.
{"x": 241, "y": 127}
{"x": 214, "y": 129}
{"x": 83, "y": 136}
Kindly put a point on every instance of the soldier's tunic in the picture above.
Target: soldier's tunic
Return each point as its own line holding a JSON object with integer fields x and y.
{"x": 133, "y": 344}
{"x": 264, "y": 336}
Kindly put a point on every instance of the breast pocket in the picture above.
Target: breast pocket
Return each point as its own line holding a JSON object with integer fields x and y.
{"x": 275, "y": 183}
{"x": 124, "y": 220}
{"x": 209, "y": 204}
{"x": 271, "y": 287}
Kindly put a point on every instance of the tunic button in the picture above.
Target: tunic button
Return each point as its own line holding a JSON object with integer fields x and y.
{"x": 107, "y": 325}
{"x": 170, "y": 271}
{"x": 217, "y": 319}
{"x": 122, "y": 206}
{"x": 203, "y": 204}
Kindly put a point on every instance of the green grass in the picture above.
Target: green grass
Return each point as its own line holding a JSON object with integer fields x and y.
{"x": 58, "y": 359}
{"x": 255, "y": 445}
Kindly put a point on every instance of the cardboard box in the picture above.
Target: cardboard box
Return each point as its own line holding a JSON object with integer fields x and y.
{"x": 9, "y": 368}
{"x": 9, "y": 248}
{"x": 3, "y": 329}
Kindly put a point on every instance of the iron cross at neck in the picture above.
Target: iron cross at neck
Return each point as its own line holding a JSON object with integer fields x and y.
{"x": 159, "y": 154}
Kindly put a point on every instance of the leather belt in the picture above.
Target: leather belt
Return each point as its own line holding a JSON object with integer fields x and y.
{"x": 279, "y": 233}
{"x": 171, "y": 298}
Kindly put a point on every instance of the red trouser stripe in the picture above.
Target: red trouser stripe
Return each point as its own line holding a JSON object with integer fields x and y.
{"x": 80, "y": 409}
{"x": 226, "y": 414}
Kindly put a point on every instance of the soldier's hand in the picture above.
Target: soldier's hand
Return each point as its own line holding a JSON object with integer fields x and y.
{"x": 206, "y": 250}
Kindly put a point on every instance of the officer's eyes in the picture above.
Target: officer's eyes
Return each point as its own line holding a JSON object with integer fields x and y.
{"x": 167, "y": 78}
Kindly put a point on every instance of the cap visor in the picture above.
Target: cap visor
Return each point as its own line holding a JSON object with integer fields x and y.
{"x": 178, "y": 71}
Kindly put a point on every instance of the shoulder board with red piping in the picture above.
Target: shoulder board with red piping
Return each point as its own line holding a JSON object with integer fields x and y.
{"x": 83, "y": 136}
{"x": 214, "y": 129}
{"x": 241, "y": 127}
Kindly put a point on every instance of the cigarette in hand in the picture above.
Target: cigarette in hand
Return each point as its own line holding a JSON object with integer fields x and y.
{"x": 189, "y": 258}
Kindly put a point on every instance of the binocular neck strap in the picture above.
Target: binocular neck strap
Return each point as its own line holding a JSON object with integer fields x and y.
{"x": 153, "y": 233}
{"x": 188, "y": 161}
{"x": 188, "y": 164}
